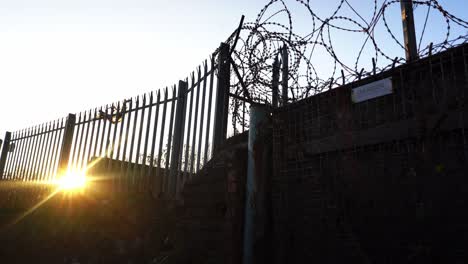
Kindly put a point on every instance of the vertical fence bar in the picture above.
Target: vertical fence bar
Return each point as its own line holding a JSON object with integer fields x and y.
{"x": 3, "y": 157}
{"x": 169, "y": 140}
{"x": 118, "y": 157}
{"x": 21, "y": 165}
{"x": 208, "y": 119}
{"x": 145, "y": 149}
{"x": 202, "y": 115}
{"x": 43, "y": 160}
{"x": 66, "y": 144}
{"x": 285, "y": 75}
{"x": 124, "y": 153}
{"x": 91, "y": 138}
{"x": 114, "y": 123}
{"x": 53, "y": 136}
{"x": 58, "y": 140}
{"x": 43, "y": 151}
{"x": 99, "y": 121}
{"x": 18, "y": 147}
{"x": 48, "y": 149}
{"x": 30, "y": 141}
{"x": 187, "y": 144}
{"x": 140, "y": 135}
{"x": 14, "y": 151}
{"x": 77, "y": 143}
{"x": 178, "y": 138}
{"x": 103, "y": 131}
{"x": 222, "y": 99}
{"x": 132, "y": 144}
{"x": 82, "y": 164}
{"x": 161, "y": 140}
{"x": 108, "y": 140}
{"x": 275, "y": 83}
{"x": 37, "y": 144}
{"x": 40, "y": 152}
{"x": 50, "y": 155}
{"x": 20, "y": 155}
{"x": 153, "y": 144}
{"x": 195, "y": 121}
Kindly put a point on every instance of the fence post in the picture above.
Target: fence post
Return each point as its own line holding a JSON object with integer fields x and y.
{"x": 178, "y": 138}
{"x": 408, "y": 30}
{"x": 222, "y": 98}
{"x": 256, "y": 182}
{"x": 66, "y": 144}
{"x": 285, "y": 75}
{"x": 4, "y": 154}
{"x": 275, "y": 83}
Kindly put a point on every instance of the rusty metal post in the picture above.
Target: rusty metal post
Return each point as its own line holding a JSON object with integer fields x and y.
{"x": 222, "y": 98}
{"x": 408, "y": 30}
{"x": 178, "y": 138}
{"x": 66, "y": 144}
{"x": 254, "y": 221}
{"x": 275, "y": 83}
{"x": 4, "y": 153}
{"x": 285, "y": 75}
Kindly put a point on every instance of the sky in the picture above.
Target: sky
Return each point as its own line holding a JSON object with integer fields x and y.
{"x": 61, "y": 56}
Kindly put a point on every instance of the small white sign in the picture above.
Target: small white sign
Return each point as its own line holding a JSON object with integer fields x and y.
{"x": 372, "y": 90}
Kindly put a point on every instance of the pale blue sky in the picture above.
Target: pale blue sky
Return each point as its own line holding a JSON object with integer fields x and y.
{"x": 59, "y": 57}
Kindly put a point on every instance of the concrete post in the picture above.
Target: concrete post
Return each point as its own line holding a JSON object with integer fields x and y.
{"x": 255, "y": 200}
{"x": 4, "y": 153}
{"x": 66, "y": 145}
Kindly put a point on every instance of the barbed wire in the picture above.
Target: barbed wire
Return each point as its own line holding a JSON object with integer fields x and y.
{"x": 262, "y": 40}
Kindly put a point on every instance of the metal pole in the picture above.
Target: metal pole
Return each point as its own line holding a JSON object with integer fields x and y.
{"x": 66, "y": 144}
{"x": 408, "y": 30}
{"x": 222, "y": 97}
{"x": 255, "y": 188}
{"x": 4, "y": 153}
{"x": 178, "y": 138}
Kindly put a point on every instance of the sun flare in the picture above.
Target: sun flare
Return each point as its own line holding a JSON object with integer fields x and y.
{"x": 72, "y": 181}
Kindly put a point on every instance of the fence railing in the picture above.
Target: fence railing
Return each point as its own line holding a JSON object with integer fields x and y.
{"x": 33, "y": 153}
{"x": 154, "y": 141}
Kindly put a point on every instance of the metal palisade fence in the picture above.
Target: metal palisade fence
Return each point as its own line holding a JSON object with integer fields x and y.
{"x": 153, "y": 141}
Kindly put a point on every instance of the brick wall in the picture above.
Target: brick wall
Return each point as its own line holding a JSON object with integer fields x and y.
{"x": 378, "y": 181}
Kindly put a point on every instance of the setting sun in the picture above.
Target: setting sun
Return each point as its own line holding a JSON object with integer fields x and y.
{"x": 72, "y": 181}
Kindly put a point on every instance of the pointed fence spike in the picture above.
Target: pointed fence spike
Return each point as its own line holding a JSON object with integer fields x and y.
{"x": 343, "y": 77}
{"x": 374, "y": 70}
{"x": 360, "y": 74}
{"x": 395, "y": 60}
